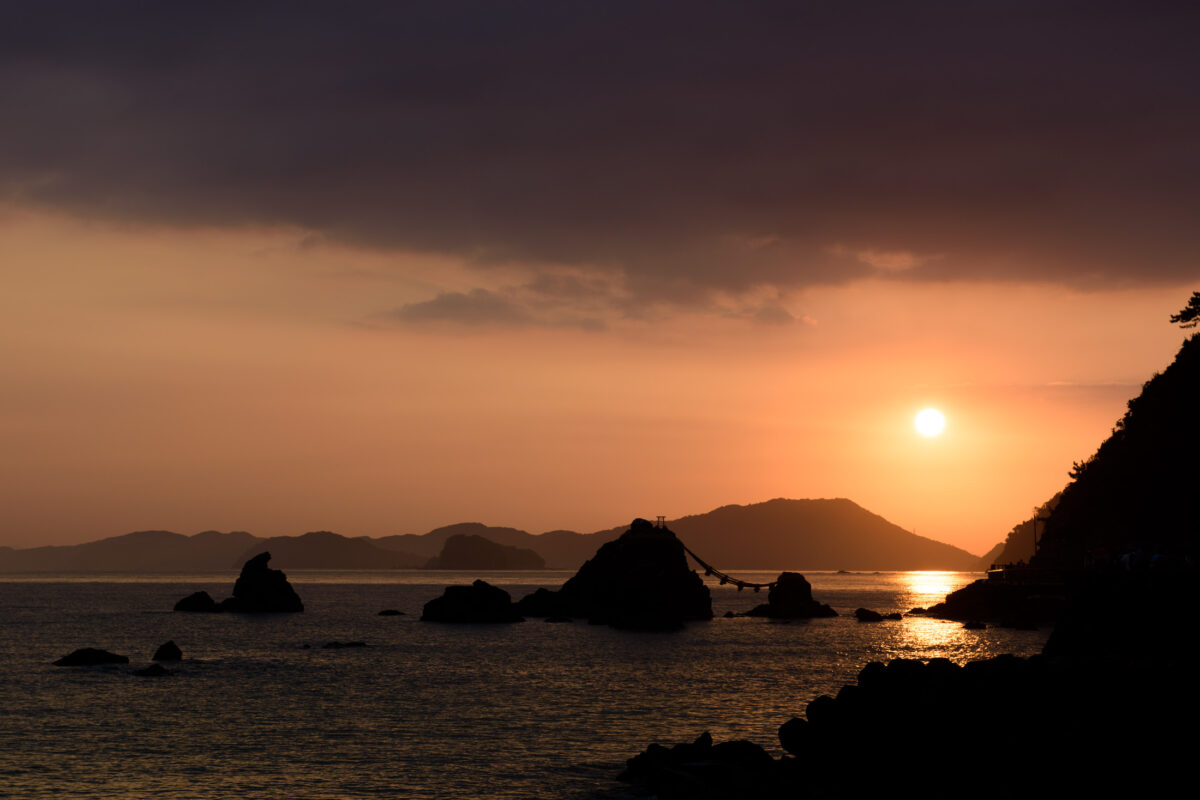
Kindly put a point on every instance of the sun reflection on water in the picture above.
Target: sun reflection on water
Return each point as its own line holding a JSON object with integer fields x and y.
{"x": 925, "y": 588}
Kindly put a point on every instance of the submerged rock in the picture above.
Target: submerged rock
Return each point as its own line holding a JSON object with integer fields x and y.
{"x": 791, "y": 598}
{"x": 639, "y": 581}
{"x": 90, "y": 657}
{"x": 478, "y": 603}
{"x": 168, "y": 651}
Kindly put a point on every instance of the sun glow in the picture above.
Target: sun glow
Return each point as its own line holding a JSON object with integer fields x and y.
{"x": 930, "y": 422}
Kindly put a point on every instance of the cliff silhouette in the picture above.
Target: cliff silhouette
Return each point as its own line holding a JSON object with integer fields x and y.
{"x": 1137, "y": 495}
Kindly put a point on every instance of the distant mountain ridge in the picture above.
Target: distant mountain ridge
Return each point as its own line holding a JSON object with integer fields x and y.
{"x": 817, "y": 534}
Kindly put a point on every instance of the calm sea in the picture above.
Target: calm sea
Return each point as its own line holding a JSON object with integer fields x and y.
{"x": 531, "y": 710}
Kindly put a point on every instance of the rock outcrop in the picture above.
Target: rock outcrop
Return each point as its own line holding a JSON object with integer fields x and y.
{"x": 791, "y": 598}
{"x": 168, "y": 651}
{"x": 702, "y": 770}
{"x": 198, "y": 602}
{"x": 639, "y": 581}
{"x": 478, "y": 603}
{"x": 258, "y": 590}
{"x": 90, "y": 657}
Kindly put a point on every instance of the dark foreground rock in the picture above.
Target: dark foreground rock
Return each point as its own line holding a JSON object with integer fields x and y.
{"x": 639, "y": 581}
{"x": 1009, "y": 605}
{"x": 258, "y": 590}
{"x": 791, "y": 598}
{"x": 168, "y": 651}
{"x": 478, "y": 603}
{"x": 702, "y": 770}
{"x": 1063, "y": 727}
{"x": 90, "y": 657}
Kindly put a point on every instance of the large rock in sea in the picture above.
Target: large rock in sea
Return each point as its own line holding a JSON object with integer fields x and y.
{"x": 258, "y": 590}
{"x": 478, "y": 603}
{"x": 791, "y": 598}
{"x": 639, "y": 581}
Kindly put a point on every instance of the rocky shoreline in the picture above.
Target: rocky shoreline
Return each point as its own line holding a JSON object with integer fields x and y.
{"x": 1105, "y": 711}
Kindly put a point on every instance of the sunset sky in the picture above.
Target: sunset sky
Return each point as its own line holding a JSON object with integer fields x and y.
{"x": 379, "y": 267}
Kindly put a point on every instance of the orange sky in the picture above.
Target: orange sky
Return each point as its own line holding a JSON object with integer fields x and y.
{"x": 161, "y": 378}
{"x": 378, "y": 267}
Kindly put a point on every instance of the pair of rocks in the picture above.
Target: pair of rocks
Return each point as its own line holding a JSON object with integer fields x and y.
{"x": 258, "y": 590}
{"x": 639, "y": 581}
{"x": 92, "y": 656}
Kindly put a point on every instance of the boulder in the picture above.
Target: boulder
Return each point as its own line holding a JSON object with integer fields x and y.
{"x": 262, "y": 590}
{"x": 200, "y": 602}
{"x": 639, "y": 581}
{"x": 701, "y": 770}
{"x": 168, "y": 651}
{"x": 90, "y": 657}
{"x": 478, "y": 603}
{"x": 391, "y": 612}
{"x": 791, "y": 597}
{"x": 867, "y": 615}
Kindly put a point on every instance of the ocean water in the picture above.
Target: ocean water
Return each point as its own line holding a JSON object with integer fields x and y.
{"x": 531, "y": 710}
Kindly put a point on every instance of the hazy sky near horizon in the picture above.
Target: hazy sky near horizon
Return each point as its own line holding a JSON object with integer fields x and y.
{"x": 377, "y": 267}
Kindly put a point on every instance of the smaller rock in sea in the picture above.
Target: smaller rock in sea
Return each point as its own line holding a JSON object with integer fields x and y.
{"x": 478, "y": 603}
{"x": 168, "y": 651}
{"x": 340, "y": 645}
{"x": 90, "y": 657}
{"x": 391, "y": 612}
{"x": 974, "y": 625}
{"x": 200, "y": 602}
{"x": 867, "y": 615}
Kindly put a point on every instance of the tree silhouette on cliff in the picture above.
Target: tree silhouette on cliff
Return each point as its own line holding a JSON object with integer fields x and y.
{"x": 1138, "y": 493}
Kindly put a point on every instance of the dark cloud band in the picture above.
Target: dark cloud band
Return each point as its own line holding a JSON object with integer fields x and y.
{"x": 686, "y": 146}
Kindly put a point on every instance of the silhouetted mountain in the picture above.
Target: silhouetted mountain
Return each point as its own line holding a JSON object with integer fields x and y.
{"x": 812, "y": 535}
{"x": 466, "y": 551}
{"x": 1139, "y": 492}
{"x": 1018, "y": 545}
{"x": 143, "y": 551}
{"x": 326, "y": 550}
{"x": 776, "y": 535}
{"x": 560, "y": 549}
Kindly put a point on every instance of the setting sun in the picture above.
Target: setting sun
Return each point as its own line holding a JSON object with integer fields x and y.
{"x": 930, "y": 422}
